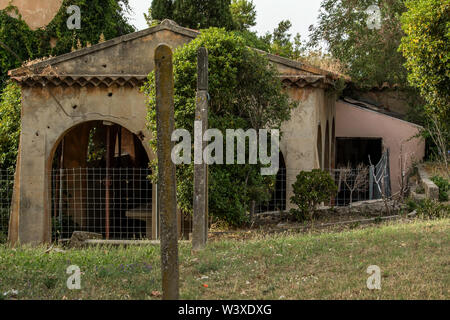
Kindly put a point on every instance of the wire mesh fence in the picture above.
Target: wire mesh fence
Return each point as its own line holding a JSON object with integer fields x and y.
{"x": 116, "y": 203}
{"x": 353, "y": 185}
{"x": 6, "y": 189}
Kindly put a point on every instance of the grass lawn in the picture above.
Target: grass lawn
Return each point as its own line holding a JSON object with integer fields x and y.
{"x": 414, "y": 259}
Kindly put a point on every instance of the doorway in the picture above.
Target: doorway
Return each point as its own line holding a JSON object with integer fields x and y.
{"x": 100, "y": 182}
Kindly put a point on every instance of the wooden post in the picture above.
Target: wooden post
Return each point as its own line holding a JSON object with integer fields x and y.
{"x": 200, "y": 220}
{"x": 166, "y": 172}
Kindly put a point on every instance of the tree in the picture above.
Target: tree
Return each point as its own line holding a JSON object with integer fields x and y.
{"x": 282, "y": 44}
{"x": 356, "y": 180}
{"x": 243, "y": 13}
{"x": 241, "y": 81}
{"x": 99, "y": 17}
{"x": 162, "y": 9}
{"x": 370, "y": 54}
{"x": 426, "y": 47}
{"x": 10, "y": 107}
{"x": 200, "y": 14}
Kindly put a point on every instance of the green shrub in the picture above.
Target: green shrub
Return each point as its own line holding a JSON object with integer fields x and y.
{"x": 420, "y": 189}
{"x": 431, "y": 209}
{"x": 411, "y": 205}
{"x": 444, "y": 187}
{"x": 241, "y": 81}
{"x": 310, "y": 189}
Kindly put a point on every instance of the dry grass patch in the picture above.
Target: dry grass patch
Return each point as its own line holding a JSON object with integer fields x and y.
{"x": 414, "y": 261}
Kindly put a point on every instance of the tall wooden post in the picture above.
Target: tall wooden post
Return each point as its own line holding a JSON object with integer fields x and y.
{"x": 200, "y": 223}
{"x": 166, "y": 172}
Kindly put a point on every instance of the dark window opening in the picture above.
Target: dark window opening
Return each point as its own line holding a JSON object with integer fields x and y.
{"x": 355, "y": 151}
{"x": 100, "y": 183}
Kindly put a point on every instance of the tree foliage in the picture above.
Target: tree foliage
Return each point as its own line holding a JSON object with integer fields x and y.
{"x": 370, "y": 55}
{"x": 162, "y": 9}
{"x": 98, "y": 18}
{"x": 240, "y": 82}
{"x": 426, "y": 47}
{"x": 243, "y": 13}
{"x": 10, "y": 104}
{"x": 195, "y": 14}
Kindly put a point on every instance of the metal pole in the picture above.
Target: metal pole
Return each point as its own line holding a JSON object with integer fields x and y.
{"x": 200, "y": 219}
{"x": 166, "y": 172}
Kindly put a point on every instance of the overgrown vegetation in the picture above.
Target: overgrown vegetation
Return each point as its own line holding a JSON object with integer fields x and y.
{"x": 99, "y": 17}
{"x": 100, "y": 20}
{"x": 10, "y": 106}
{"x": 195, "y": 14}
{"x": 443, "y": 185}
{"x": 413, "y": 260}
{"x": 426, "y": 48}
{"x": 369, "y": 55}
{"x": 244, "y": 93}
{"x": 310, "y": 189}
{"x": 431, "y": 209}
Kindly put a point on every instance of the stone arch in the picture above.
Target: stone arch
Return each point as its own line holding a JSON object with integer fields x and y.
{"x": 333, "y": 144}
{"x": 327, "y": 163}
{"x": 319, "y": 146}
{"x": 141, "y": 148}
{"x": 279, "y": 198}
{"x": 125, "y": 124}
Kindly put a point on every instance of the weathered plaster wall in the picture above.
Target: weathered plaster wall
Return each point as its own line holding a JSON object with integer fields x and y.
{"x": 45, "y": 121}
{"x": 49, "y": 113}
{"x": 353, "y": 121}
{"x": 130, "y": 57}
{"x": 36, "y": 13}
{"x": 300, "y": 133}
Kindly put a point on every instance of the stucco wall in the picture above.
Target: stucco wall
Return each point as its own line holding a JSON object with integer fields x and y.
{"x": 44, "y": 127}
{"x": 47, "y": 117}
{"x": 130, "y": 57}
{"x": 299, "y": 141}
{"x": 353, "y": 122}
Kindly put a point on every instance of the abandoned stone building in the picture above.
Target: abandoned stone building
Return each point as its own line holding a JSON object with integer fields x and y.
{"x": 81, "y": 105}
{"x": 85, "y": 146}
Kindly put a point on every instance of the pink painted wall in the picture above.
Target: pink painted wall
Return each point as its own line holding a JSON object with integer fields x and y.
{"x": 353, "y": 122}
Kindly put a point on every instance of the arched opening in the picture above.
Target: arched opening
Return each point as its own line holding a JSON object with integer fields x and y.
{"x": 278, "y": 199}
{"x": 333, "y": 145}
{"x": 99, "y": 183}
{"x": 327, "y": 163}
{"x": 319, "y": 146}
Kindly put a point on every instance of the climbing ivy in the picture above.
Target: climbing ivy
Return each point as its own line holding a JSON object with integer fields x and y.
{"x": 99, "y": 19}
{"x": 239, "y": 77}
{"x": 9, "y": 126}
